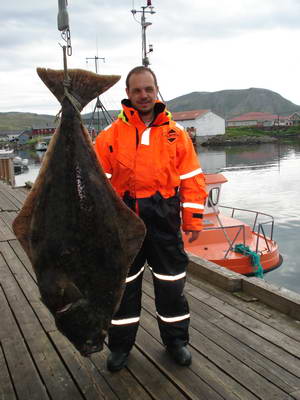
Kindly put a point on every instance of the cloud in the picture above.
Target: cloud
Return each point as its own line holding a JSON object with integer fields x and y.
{"x": 215, "y": 45}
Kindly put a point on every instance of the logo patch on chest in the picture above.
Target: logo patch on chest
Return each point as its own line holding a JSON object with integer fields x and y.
{"x": 172, "y": 135}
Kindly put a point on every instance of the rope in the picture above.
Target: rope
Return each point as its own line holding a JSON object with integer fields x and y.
{"x": 255, "y": 259}
{"x": 67, "y": 83}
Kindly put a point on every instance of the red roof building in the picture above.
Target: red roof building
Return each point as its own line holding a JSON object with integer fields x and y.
{"x": 259, "y": 119}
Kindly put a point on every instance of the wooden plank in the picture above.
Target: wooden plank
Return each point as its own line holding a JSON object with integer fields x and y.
{"x": 244, "y": 345}
{"x": 19, "y": 194}
{"x": 237, "y": 324}
{"x": 53, "y": 333}
{"x": 270, "y": 361}
{"x": 295, "y": 395}
{"x": 22, "y": 256}
{"x": 226, "y": 362}
{"x": 265, "y": 331}
{"x": 8, "y": 217}
{"x": 27, "y": 382}
{"x": 27, "y": 285}
{"x": 6, "y": 386}
{"x": 210, "y": 272}
{"x": 6, "y": 204}
{"x": 199, "y": 381}
{"x": 235, "y": 328}
{"x": 53, "y": 371}
{"x": 42, "y": 351}
{"x": 281, "y": 299}
{"x": 258, "y": 310}
{"x": 151, "y": 378}
{"x": 5, "y": 232}
{"x": 90, "y": 381}
{"x": 20, "y": 273}
{"x": 12, "y": 196}
{"x": 207, "y": 371}
{"x": 123, "y": 384}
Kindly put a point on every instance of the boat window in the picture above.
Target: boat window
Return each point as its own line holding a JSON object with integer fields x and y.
{"x": 213, "y": 197}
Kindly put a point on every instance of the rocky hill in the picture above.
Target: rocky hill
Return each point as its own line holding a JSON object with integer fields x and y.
{"x": 226, "y": 103}
{"x": 230, "y": 103}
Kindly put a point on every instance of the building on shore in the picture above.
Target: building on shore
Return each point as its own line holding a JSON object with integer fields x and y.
{"x": 262, "y": 119}
{"x": 200, "y": 122}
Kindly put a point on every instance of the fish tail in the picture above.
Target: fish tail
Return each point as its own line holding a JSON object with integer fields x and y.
{"x": 84, "y": 85}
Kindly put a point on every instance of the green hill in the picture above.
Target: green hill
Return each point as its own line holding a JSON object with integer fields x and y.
{"x": 14, "y": 121}
{"x": 226, "y": 103}
{"x": 230, "y": 103}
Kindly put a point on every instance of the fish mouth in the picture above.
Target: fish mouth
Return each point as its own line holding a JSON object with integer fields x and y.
{"x": 81, "y": 326}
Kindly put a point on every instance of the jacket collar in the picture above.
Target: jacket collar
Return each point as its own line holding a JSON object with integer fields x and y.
{"x": 131, "y": 115}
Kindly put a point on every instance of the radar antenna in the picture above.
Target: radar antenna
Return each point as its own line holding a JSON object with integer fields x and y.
{"x": 148, "y": 9}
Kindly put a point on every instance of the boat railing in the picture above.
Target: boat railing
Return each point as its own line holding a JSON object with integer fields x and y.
{"x": 258, "y": 228}
{"x": 231, "y": 243}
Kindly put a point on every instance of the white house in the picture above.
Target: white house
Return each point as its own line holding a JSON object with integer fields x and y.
{"x": 204, "y": 122}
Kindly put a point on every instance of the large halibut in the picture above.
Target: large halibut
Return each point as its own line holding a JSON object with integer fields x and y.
{"x": 78, "y": 234}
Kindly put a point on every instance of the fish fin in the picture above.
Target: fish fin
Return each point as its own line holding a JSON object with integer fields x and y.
{"x": 134, "y": 232}
{"x": 85, "y": 85}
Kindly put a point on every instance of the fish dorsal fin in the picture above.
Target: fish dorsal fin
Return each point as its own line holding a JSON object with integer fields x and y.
{"x": 84, "y": 85}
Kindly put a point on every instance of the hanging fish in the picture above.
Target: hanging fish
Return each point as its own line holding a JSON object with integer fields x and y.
{"x": 78, "y": 234}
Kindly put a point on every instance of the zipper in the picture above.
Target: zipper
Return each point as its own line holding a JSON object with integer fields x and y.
{"x": 137, "y": 137}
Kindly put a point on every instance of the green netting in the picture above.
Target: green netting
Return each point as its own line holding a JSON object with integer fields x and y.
{"x": 255, "y": 259}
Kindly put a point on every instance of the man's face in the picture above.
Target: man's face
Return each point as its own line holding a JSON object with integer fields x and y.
{"x": 142, "y": 92}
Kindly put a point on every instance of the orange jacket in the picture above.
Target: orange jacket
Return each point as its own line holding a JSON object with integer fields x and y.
{"x": 161, "y": 157}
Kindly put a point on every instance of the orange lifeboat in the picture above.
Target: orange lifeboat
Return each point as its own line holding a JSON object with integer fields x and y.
{"x": 222, "y": 232}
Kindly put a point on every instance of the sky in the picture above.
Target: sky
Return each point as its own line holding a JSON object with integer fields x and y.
{"x": 202, "y": 46}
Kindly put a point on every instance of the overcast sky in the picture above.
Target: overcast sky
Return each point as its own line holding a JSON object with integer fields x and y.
{"x": 199, "y": 45}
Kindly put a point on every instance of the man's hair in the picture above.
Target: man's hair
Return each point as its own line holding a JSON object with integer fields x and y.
{"x": 138, "y": 70}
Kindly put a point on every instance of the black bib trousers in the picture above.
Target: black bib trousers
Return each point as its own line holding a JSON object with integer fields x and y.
{"x": 163, "y": 251}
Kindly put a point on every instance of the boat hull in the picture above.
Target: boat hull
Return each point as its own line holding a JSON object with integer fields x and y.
{"x": 213, "y": 246}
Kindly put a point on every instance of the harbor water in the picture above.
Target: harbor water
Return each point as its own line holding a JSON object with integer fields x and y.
{"x": 263, "y": 178}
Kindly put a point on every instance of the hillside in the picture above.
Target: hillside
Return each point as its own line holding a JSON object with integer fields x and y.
{"x": 15, "y": 121}
{"x": 230, "y": 103}
{"x": 226, "y": 103}
{"x": 18, "y": 121}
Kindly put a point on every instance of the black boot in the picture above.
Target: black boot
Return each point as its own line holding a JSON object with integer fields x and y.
{"x": 116, "y": 361}
{"x": 181, "y": 355}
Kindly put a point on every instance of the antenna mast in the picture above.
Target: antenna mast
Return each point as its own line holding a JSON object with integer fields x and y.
{"x": 98, "y": 105}
{"x": 144, "y": 25}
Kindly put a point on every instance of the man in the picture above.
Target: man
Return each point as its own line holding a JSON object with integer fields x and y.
{"x": 152, "y": 165}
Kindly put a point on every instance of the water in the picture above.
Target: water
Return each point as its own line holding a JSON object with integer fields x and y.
{"x": 263, "y": 178}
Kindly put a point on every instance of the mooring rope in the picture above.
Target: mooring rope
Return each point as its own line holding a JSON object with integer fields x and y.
{"x": 255, "y": 259}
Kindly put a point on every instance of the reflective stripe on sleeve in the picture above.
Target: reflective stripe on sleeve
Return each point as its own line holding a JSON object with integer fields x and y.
{"x": 105, "y": 129}
{"x": 179, "y": 126}
{"x": 173, "y": 319}
{"x": 193, "y": 205}
{"x": 131, "y": 278}
{"x": 125, "y": 321}
{"x": 191, "y": 174}
{"x": 108, "y": 176}
{"x": 146, "y": 137}
{"x": 168, "y": 277}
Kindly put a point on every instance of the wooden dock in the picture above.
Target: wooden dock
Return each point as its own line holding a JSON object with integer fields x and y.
{"x": 243, "y": 349}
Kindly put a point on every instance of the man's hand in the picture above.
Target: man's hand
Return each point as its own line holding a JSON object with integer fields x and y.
{"x": 193, "y": 235}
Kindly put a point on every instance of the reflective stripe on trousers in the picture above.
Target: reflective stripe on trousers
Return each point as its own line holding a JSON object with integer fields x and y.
{"x": 163, "y": 251}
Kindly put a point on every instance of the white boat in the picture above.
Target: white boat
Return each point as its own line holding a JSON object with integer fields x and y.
{"x": 41, "y": 146}
{"x": 20, "y": 165}
{"x": 6, "y": 152}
